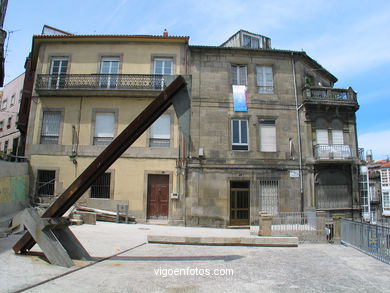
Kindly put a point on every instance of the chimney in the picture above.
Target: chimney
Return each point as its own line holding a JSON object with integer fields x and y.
{"x": 165, "y": 34}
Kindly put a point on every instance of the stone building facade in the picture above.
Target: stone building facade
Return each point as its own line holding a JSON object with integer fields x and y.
{"x": 292, "y": 148}
{"x": 268, "y": 130}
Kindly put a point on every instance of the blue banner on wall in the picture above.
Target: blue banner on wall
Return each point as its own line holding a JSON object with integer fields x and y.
{"x": 240, "y": 98}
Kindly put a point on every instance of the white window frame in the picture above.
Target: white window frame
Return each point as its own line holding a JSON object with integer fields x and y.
{"x": 164, "y": 60}
{"x": 109, "y": 79}
{"x": 265, "y": 85}
{"x": 386, "y": 202}
{"x": 266, "y": 126}
{"x": 55, "y": 77}
{"x": 240, "y": 146}
{"x": 236, "y": 72}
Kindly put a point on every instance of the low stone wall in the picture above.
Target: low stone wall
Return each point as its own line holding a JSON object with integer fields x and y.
{"x": 14, "y": 184}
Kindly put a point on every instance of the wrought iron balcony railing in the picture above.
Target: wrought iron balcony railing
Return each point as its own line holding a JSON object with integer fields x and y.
{"x": 324, "y": 94}
{"x": 100, "y": 82}
{"x": 332, "y": 151}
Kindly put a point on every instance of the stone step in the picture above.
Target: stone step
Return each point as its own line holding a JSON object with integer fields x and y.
{"x": 229, "y": 241}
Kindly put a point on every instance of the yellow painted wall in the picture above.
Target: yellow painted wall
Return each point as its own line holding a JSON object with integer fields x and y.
{"x": 128, "y": 109}
{"x": 129, "y": 174}
{"x": 85, "y": 58}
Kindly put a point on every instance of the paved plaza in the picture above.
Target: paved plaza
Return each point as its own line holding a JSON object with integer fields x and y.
{"x": 124, "y": 262}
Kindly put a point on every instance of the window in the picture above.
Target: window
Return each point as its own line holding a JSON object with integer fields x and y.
{"x": 58, "y": 70}
{"x": 104, "y": 128}
{"x": 240, "y": 135}
{"x": 1, "y": 125}
{"x": 239, "y": 75}
{"x": 6, "y": 146}
{"x": 264, "y": 79}
{"x": 101, "y": 187}
{"x": 50, "y": 131}
{"x": 20, "y": 96}
{"x": 267, "y": 136}
{"x": 269, "y": 197}
{"x": 322, "y": 136}
{"x": 16, "y": 120}
{"x": 109, "y": 68}
{"x": 12, "y": 100}
{"x": 4, "y": 104}
{"x": 386, "y": 202}
{"x": 46, "y": 182}
{"x": 163, "y": 67}
{"x": 251, "y": 42}
{"x": 9, "y": 122}
{"x": 337, "y": 136}
{"x": 160, "y": 132}
{"x": 385, "y": 177}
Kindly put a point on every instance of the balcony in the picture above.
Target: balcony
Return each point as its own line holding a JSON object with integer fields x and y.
{"x": 330, "y": 96}
{"x": 332, "y": 152}
{"x": 99, "y": 84}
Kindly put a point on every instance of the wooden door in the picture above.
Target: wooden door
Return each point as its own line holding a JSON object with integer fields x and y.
{"x": 239, "y": 203}
{"x": 158, "y": 195}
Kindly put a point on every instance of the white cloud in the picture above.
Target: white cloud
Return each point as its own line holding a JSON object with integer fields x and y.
{"x": 378, "y": 142}
{"x": 354, "y": 47}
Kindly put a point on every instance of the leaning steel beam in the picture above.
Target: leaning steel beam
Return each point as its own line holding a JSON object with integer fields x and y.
{"x": 110, "y": 154}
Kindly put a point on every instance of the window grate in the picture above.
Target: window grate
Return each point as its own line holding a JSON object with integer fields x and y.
{"x": 269, "y": 196}
{"x": 46, "y": 182}
{"x": 101, "y": 187}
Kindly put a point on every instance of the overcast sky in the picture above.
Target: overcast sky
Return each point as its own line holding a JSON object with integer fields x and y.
{"x": 349, "y": 38}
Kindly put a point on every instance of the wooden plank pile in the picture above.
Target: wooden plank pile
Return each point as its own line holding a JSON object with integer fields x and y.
{"x": 106, "y": 216}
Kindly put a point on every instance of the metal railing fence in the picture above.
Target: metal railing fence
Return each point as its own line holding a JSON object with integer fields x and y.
{"x": 307, "y": 226}
{"x": 100, "y": 81}
{"x": 371, "y": 239}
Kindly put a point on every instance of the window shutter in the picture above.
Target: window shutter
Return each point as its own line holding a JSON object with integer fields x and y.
{"x": 322, "y": 136}
{"x": 337, "y": 137}
{"x": 267, "y": 138}
{"x": 161, "y": 128}
{"x": 105, "y": 123}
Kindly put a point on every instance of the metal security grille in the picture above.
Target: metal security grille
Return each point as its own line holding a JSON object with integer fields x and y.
{"x": 46, "y": 182}
{"x": 269, "y": 196}
{"x": 101, "y": 187}
{"x": 333, "y": 196}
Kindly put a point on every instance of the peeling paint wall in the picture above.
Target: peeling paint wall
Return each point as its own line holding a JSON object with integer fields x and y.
{"x": 13, "y": 187}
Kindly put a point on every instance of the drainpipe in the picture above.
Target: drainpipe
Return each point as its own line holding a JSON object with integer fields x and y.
{"x": 297, "y": 108}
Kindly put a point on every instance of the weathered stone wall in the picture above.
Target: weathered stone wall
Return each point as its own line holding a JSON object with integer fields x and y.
{"x": 13, "y": 187}
{"x": 208, "y": 194}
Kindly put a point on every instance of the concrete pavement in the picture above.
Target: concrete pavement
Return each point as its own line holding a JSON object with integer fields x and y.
{"x": 142, "y": 267}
